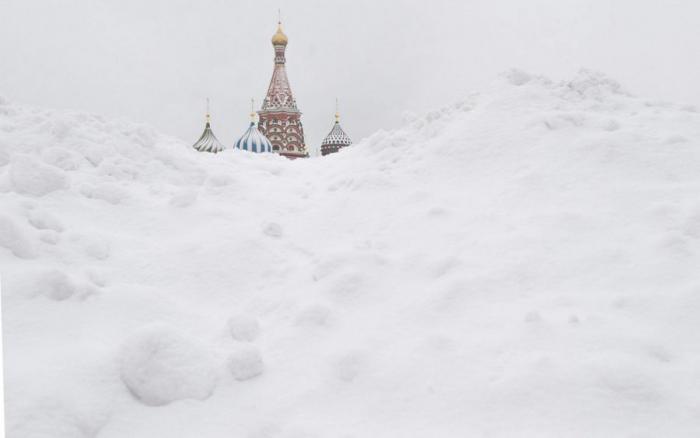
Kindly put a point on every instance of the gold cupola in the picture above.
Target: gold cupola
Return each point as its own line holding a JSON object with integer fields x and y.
{"x": 279, "y": 38}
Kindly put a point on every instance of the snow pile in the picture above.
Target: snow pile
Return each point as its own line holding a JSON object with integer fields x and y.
{"x": 521, "y": 263}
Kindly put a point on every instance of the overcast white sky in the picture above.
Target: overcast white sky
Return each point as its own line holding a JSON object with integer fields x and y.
{"x": 156, "y": 61}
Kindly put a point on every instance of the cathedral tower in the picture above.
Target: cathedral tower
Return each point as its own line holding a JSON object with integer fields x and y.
{"x": 280, "y": 119}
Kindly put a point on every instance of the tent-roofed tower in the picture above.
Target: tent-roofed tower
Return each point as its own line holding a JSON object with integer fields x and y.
{"x": 280, "y": 119}
{"x": 337, "y": 138}
{"x": 208, "y": 141}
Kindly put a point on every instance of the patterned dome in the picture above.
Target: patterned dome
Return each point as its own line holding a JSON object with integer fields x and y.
{"x": 208, "y": 141}
{"x": 337, "y": 137}
{"x": 254, "y": 141}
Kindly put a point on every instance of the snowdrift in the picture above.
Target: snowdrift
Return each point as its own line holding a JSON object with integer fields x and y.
{"x": 521, "y": 263}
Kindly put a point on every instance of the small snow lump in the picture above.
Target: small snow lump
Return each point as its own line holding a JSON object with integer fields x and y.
{"x": 160, "y": 365}
{"x": 245, "y": 363}
{"x": 243, "y": 328}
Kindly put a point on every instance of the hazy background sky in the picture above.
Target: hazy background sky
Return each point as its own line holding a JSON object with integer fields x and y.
{"x": 156, "y": 61}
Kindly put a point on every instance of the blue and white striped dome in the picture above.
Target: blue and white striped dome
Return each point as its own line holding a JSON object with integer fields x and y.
{"x": 254, "y": 141}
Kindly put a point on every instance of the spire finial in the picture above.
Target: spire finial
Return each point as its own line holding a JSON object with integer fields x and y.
{"x": 279, "y": 15}
{"x": 252, "y": 110}
{"x": 208, "y": 116}
{"x": 337, "y": 113}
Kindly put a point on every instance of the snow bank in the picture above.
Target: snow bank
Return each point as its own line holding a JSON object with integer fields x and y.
{"x": 519, "y": 263}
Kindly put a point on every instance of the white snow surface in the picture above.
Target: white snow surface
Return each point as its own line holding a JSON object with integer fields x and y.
{"x": 525, "y": 262}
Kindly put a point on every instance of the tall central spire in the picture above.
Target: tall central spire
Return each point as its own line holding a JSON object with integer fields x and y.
{"x": 280, "y": 119}
{"x": 279, "y": 93}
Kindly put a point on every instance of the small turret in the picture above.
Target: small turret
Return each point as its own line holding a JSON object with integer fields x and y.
{"x": 337, "y": 138}
{"x": 252, "y": 139}
{"x": 208, "y": 141}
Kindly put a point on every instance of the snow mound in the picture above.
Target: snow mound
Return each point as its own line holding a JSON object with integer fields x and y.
{"x": 159, "y": 365}
{"x": 529, "y": 253}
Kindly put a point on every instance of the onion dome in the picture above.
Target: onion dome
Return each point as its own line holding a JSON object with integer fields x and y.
{"x": 336, "y": 139}
{"x": 208, "y": 141}
{"x": 279, "y": 38}
{"x": 253, "y": 140}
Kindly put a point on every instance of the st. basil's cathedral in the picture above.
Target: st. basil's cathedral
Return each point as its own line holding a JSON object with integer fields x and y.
{"x": 279, "y": 128}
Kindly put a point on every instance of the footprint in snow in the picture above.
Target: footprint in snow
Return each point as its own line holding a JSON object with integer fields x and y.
{"x": 273, "y": 229}
{"x": 245, "y": 363}
{"x": 533, "y": 317}
{"x": 49, "y": 237}
{"x": 184, "y": 199}
{"x": 243, "y": 328}
{"x": 98, "y": 249}
{"x": 13, "y": 238}
{"x": 43, "y": 220}
{"x": 316, "y": 315}
{"x": 349, "y": 366}
{"x": 58, "y": 286}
